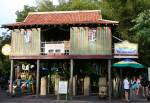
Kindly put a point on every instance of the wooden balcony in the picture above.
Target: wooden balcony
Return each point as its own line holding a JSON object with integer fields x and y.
{"x": 59, "y": 50}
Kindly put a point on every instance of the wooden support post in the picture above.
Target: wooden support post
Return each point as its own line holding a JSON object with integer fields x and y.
{"x": 37, "y": 78}
{"x": 71, "y": 79}
{"x": 11, "y": 77}
{"x": 109, "y": 80}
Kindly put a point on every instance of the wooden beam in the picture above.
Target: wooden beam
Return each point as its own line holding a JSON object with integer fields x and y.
{"x": 63, "y": 57}
{"x": 109, "y": 80}
{"x": 71, "y": 79}
{"x": 37, "y": 78}
{"x": 11, "y": 77}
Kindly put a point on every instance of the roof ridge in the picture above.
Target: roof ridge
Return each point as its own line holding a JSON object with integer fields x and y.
{"x": 75, "y": 11}
{"x": 109, "y": 20}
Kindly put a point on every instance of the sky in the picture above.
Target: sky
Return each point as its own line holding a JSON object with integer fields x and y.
{"x": 9, "y": 7}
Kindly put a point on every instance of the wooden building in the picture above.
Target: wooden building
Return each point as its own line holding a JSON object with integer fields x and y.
{"x": 74, "y": 36}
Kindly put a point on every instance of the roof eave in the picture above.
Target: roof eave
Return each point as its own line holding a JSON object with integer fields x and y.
{"x": 23, "y": 24}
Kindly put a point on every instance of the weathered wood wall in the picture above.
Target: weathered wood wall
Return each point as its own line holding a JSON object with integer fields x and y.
{"x": 80, "y": 45}
{"x": 22, "y": 48}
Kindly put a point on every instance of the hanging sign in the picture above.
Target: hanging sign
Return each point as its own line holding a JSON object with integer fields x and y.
{"x": 126, "y": 49}
{"x": 6, "y": 49}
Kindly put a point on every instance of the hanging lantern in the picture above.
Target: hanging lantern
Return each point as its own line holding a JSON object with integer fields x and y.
{"x": 6, "y": 49}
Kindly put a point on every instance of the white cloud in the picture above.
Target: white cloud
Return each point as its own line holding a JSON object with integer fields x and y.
{"x": 55, "y": 2}
{"x": 8, "y": 9}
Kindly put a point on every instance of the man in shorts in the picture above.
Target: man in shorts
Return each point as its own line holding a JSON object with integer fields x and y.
{"x": 126, "y": 86}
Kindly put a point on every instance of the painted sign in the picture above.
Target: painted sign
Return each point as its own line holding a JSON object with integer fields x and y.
{"x": 54, "y": 48}
{"x": 126, "y": 49}
{"x": 63, "y": 87}
{"x": 6, "y": 49}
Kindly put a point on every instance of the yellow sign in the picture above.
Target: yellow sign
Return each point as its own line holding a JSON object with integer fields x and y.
{"x": 126, "y": 47}
{"x": 6, "y": 49}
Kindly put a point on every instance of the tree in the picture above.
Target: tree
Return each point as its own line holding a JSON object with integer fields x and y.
{"x": 142, "y": 25}
{"x": 21, "y": 15}
{"x": 45, "y": 5}
{"x": 4, "y": 60}
{"x": 123, "y": 11}
{"x": 142, "y": 31}
{"x": 77, "y": 5}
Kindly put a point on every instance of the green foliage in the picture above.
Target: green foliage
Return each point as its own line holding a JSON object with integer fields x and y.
{"x": 4, "y": 60}
{"x": 142, "y": 31}
{"x": 45, "y": 5}
{"x": 77, "y": 5}
{"x": 4, "y": 39}
{"x": 5, "y": 67}
{"x": 21, "y": 15}
{"x": 142, "y": 25}
{"x": 123, "y": 11}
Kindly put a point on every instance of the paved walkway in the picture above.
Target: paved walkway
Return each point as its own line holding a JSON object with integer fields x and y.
{"x": 50, "y": 99}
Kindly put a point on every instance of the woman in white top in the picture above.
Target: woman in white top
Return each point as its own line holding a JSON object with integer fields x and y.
{"x": 126, "y": 86}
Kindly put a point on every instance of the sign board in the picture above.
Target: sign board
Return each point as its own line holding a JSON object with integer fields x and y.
{"x": 126, "y": 49}
{"x": 6, "y": 49}
{"x": 63, "y": 87}
{"x": 55, "y": 48}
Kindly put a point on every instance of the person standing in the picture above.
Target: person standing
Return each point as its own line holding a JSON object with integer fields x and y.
{"x": 133, "y": 87}
{"x": 144, "y": 84}
{"x": 126, "y": 86}
{"x": 139, "y": 84}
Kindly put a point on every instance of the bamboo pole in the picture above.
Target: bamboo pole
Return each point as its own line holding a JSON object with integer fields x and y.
{"x": 11, "y": 77}
{"x": 37, "y": 78}
{"x": 109, "y": 80}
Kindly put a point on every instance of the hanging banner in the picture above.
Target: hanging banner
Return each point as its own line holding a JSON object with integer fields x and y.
{"x": 126, "y": 49}
{"x": 27, "y": 35}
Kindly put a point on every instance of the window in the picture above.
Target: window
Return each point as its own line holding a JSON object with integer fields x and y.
{"x": 51, "y": 51}
{"x": 57, "y": 51}
{"x": 66, "y": 52}
{"x": 92, "y": 34}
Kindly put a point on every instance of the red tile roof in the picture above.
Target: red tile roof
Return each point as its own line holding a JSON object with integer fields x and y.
{"x": 63, "y": 17}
